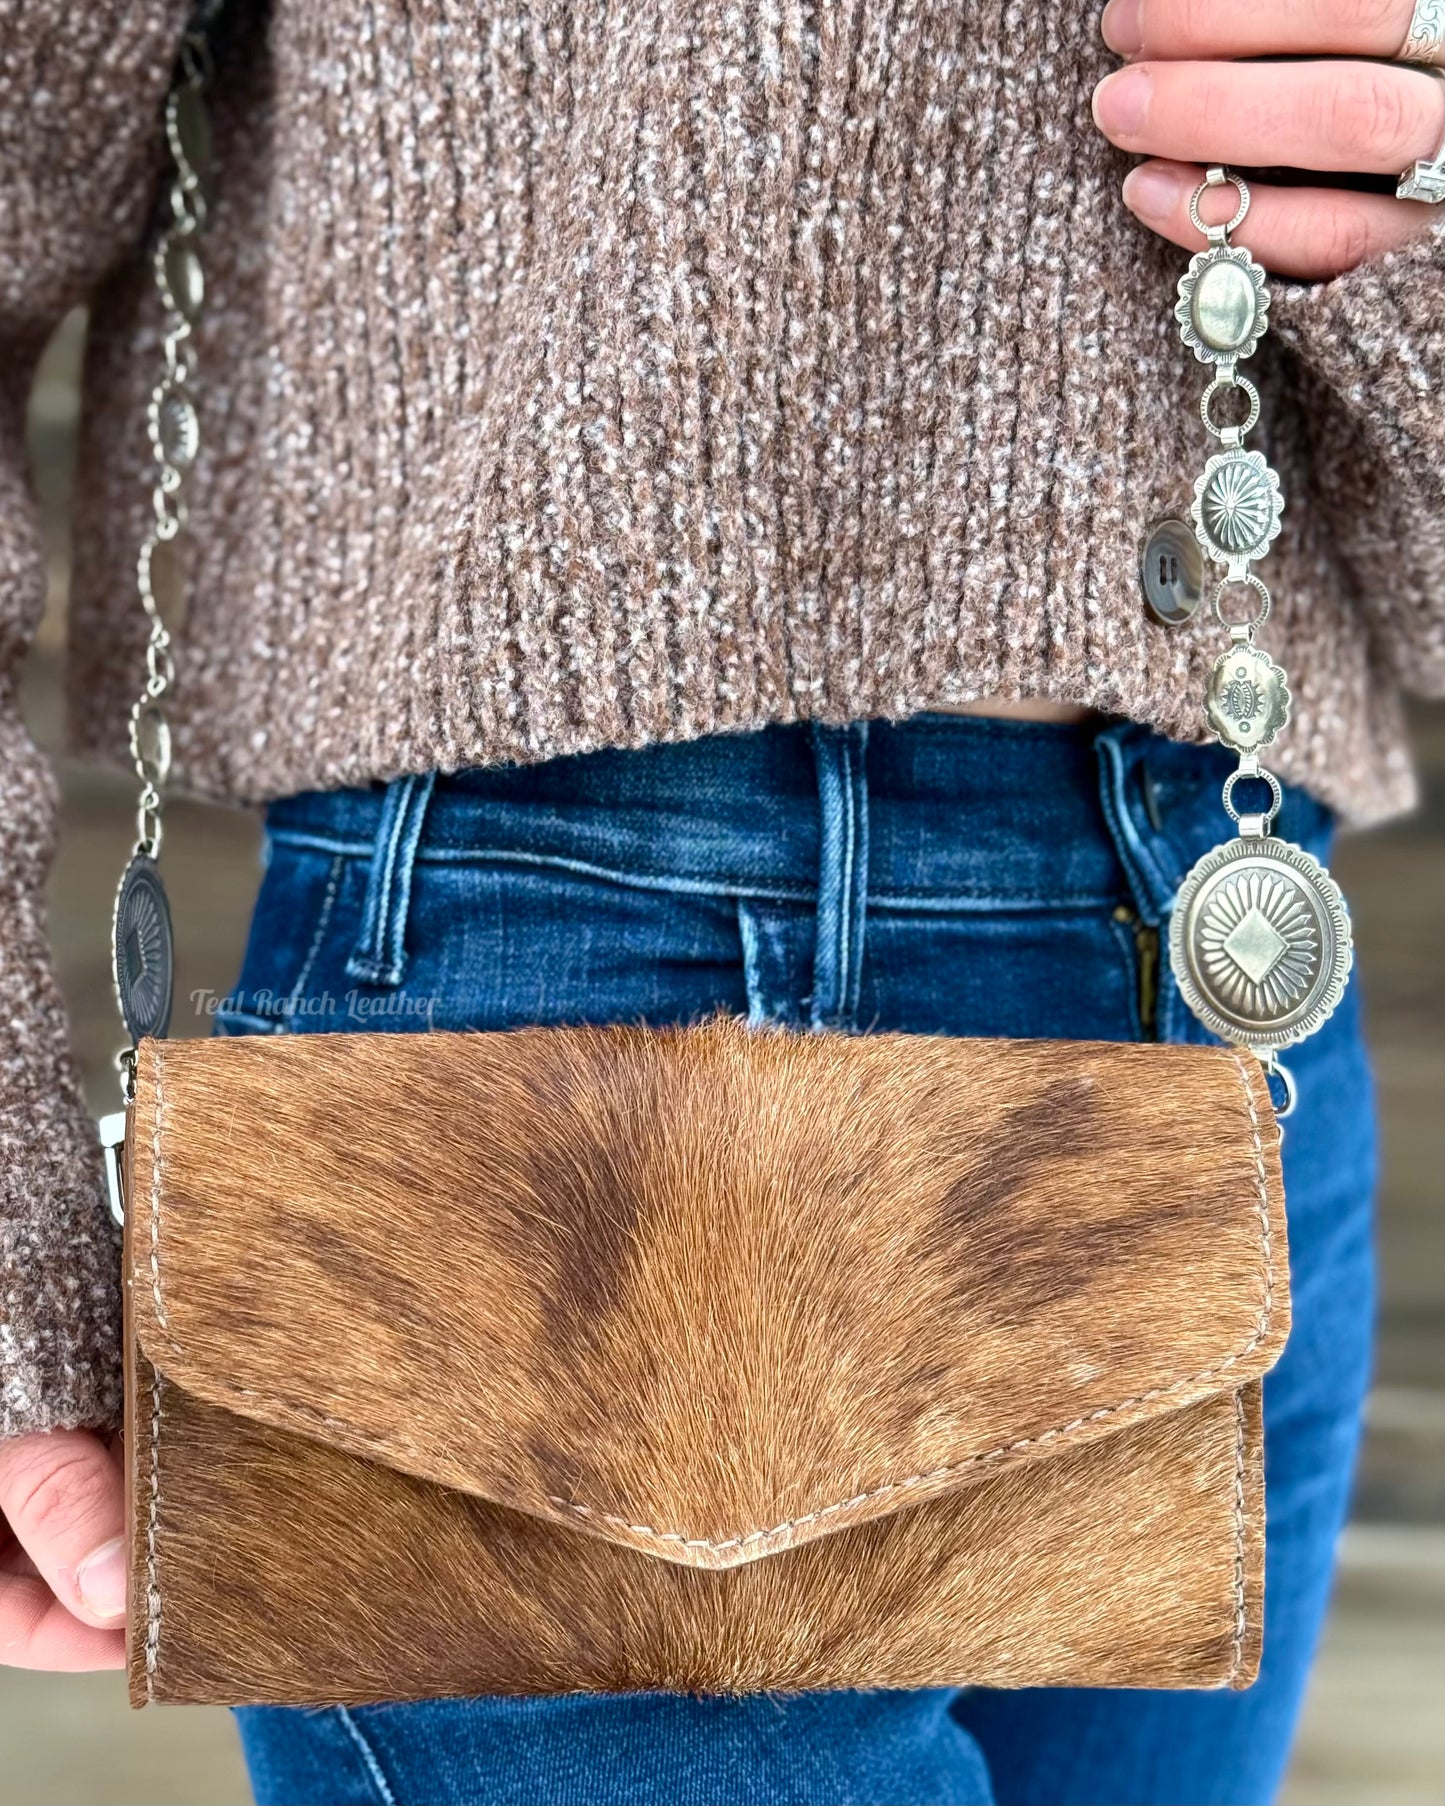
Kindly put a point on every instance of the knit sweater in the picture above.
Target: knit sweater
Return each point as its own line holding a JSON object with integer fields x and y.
{"x": 581, "y": 376}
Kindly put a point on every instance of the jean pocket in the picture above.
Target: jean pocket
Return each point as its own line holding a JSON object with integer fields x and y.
{"x": 493, "y": 945}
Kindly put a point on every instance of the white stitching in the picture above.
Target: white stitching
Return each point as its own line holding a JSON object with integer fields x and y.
{"x": 153, "y": 1591}
{"x": 1241, "y": 1622}
{"x": 403, "y": 1446}
{"x": 156, "y": 1192}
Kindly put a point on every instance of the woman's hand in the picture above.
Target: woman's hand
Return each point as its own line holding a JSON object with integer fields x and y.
{"x": 1184, "y": 102}
{"x": 62, "y": 1552}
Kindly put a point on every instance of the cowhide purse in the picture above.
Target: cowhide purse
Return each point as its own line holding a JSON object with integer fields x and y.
{"x": 712, "y": 1359}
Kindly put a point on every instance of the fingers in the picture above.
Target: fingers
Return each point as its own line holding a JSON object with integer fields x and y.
{"x": 1373, "y": 117}
{"x": 62, "y": 1495}
{"x": 36, "y": 1631}
{"x": 1184, "y": 29}
{"x": 1309, "y": 233}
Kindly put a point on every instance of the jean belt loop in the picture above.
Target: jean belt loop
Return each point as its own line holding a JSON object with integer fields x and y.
{"x": 1125, "y": 791}
{"x": 839, "y": 754}
{"x": 379, "y": 956}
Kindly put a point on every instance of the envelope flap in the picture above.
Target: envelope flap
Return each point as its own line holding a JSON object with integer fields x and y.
{"x": 707, "y": 1292}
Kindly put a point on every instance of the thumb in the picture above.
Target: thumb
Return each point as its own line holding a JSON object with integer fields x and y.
{"x": 62, "y": 1493}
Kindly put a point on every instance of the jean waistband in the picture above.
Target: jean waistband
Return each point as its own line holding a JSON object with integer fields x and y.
{"x": 961, "y": 812}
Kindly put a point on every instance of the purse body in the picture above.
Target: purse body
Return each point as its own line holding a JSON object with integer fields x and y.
{"x": 703, "y": 1360}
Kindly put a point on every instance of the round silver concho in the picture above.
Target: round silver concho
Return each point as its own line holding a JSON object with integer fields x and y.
{"x": 1247, "y": 699}
{"x": 1237, "y": 506}
{"x": 144, "y": 952}
{"x": 1260, "y": 943}
{"x": 1223, "y": 307}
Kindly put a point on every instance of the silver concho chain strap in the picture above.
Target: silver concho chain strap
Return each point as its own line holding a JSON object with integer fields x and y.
{"x": 142, "y": 944}
{"x": 1259, "y": 939}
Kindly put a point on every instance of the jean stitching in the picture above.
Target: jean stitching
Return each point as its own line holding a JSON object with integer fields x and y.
{"x": 833, "y": 767}
{"x": 368, "y": 1755}
{"x": 376, "y": 958}
{"x": 988, "y": 902}
{"x": 403, "y": 859}
{"x": 752, "y": 972}
{"x": 374, "y": 928}
{"x": 858, "y": 878}
{"x": 736, "y": 889}
{"x": 844, "y": 954}
{"x": 373, "y": 909}
{"x": 677, "y": 884}
{"x": 306, "y": 841}
{"x": 1127, "y": 836}
{"x": 824, "y": 941}
{"x": 323, "y": 922}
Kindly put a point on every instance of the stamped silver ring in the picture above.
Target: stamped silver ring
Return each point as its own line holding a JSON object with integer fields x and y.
{"x": 1261, "y": 613}
{"x": 1232, "y": 434}
{"x": 1425, "y": 40}
{"x": 1424, "y": 180}
{"x": 1217, "y": 176}
{"x": 1276, "y": 793}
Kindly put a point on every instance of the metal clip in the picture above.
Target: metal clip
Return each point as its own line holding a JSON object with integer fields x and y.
{"x": 112, "y": 1143}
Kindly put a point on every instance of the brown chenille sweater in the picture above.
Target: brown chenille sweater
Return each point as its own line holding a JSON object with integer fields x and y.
{"x": 590, "y": 375}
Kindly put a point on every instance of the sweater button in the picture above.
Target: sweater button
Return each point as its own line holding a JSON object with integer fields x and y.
{"x": 1172, "y": 572}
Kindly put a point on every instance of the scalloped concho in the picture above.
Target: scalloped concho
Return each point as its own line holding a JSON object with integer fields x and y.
{"x": 1260, "y": 943}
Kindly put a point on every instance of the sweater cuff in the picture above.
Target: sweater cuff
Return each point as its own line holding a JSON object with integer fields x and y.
{"x": 1375, "y": 337}
{"x": 60, "y": 1298}
{"x": 60, "y": 1256}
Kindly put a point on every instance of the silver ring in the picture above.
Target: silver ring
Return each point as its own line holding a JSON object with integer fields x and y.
{"x": 1220, "y": 177}
{"x": 1276, "y": 1069}
{"x": 1425, "y": 40}
{"x": 1276, "y": 793}
{"x": 1424, "y": 180}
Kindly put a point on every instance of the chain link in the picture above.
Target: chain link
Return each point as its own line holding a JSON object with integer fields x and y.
{"x": 1247, "y": 628}
{"x": 1228, "y": 378}
{"x": 172, "y": 422}
{"x": 1235, "y": 501}
{"x": 1259, "y": 935}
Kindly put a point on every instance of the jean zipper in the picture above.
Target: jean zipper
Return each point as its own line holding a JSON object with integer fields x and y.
{"x": 1146, "y": 951}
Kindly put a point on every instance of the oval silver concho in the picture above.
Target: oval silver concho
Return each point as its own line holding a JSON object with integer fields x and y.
{"x": 1260, "y": 943}
{"x": 144, "y": 951}
{"x": 1223, "y": 307}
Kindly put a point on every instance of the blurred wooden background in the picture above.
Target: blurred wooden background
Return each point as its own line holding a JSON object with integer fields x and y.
{"x": 1374, "y": 1733}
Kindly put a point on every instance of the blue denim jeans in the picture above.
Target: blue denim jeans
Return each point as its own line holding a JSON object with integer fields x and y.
{"x": 943, "y": 876}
